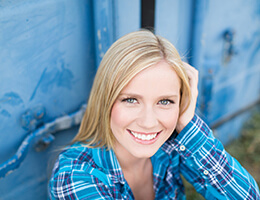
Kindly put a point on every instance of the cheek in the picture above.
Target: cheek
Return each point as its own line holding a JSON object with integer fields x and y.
{"x": 115, "y": 117}
{"x": 170, "y": 118}
{"x": 119, "y": 117}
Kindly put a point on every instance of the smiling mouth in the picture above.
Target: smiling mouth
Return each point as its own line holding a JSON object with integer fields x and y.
{"x": 144, "y": 137}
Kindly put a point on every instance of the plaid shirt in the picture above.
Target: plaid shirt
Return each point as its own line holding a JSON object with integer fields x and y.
{"x": 84, "y": 173}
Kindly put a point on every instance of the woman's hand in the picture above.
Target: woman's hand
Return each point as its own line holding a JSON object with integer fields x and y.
{"x": 187, "y": 116}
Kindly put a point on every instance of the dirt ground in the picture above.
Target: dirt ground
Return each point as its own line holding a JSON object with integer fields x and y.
{"x": 246, "y": 149}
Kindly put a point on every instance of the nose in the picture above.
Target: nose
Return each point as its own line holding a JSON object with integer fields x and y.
{"x": 147, "y": 118}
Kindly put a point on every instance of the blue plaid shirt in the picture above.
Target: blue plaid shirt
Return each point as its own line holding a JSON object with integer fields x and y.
{"x": 85, "y": 173}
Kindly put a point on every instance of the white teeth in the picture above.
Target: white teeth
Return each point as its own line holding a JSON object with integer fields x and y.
{"x": 143, "y": 136}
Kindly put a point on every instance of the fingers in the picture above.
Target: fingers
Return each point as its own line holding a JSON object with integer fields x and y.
{"x": 193, "y": 76}
{"x": 192, "y": 73}
{"x": 186, "y": 116}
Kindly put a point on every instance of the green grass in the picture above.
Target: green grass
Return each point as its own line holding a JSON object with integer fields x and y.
{"x": 246, "y": 149}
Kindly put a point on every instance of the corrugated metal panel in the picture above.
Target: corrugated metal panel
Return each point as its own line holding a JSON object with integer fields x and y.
{"x": 50, "y": 51}
{"x": 230, "y": 54}
{"x": 173, "y": 20}
{"x": 48, "y": 62}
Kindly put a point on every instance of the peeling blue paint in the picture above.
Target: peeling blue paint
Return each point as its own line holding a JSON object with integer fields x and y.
{"x": 104, "y": 27}
{"x": 5, "y": 113}
{"x": 64, "y": 77}
{"x": 33, "y": 118}
{"x": 38, "y": 84}
{"x": 54, "y": 77}
{"x": 47, "y": 54}
{"x": 11, "y": 98}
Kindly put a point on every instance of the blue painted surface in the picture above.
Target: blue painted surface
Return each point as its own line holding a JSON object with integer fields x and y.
{"x": 45, "y": 137}
{"x": 127, "y": 17}
{"x": 112, "y": 20}
{"x": 46, "y": 67}
{"x": 103, "y": 27}
{"x": 50, "y": 51}
{"x": 233, "y": 85}
{"x": 47, "y": 59}
{"x": 173, "y": 20}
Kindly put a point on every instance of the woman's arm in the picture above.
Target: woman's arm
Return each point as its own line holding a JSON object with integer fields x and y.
{"x": 209, "y": 168}
{"x": 205, "y": 163}
{"x": 77, "y": 185}
{"x": 186, "y": 117}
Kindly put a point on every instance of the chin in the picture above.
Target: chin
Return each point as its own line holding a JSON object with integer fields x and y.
{"x": 144, "y": 153}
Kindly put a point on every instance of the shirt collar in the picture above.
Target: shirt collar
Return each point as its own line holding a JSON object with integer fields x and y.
{"x": 107, "y": 160}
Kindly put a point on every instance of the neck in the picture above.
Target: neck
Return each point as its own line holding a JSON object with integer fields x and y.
{"x": 138, "y": 172}
{"x": 128, "y": 162}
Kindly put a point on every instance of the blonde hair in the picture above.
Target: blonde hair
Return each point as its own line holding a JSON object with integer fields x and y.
{"x": 128, "y": 56}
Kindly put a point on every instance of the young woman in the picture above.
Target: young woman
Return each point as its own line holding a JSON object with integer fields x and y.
{"x": 140, "y": 133}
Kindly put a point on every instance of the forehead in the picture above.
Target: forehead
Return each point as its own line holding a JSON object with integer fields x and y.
{"x": 159, "y": 79}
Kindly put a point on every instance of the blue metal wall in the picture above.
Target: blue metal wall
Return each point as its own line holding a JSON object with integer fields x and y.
{"x": 226, "y": 50}
{"x": 222, "y": 40}
{"x": 47, "y": 67}
{"x": 49, "y": 52}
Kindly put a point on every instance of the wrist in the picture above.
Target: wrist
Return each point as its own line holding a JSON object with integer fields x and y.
{"x": 182, "y": 124}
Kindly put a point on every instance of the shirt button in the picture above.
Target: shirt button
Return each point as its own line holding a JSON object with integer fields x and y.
{"x": 182, "y": 148}
{"x": 206, "y": 172}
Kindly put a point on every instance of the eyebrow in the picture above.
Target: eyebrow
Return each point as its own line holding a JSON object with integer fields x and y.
{"x": 130, "y": 94}
{"x": 140, "y": 96}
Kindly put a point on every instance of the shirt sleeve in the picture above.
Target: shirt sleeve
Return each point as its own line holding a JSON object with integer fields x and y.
{"x": 77, "y": 185}
{"x": 209, "y": 168}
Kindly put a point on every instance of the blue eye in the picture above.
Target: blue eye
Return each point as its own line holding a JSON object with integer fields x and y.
{"x": 165, "y": 102}
{"x": 129, "y": 100}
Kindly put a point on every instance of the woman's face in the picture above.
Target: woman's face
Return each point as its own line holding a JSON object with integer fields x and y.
{"x": 145, "y": 113}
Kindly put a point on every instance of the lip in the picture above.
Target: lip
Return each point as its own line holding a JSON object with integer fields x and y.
{"x": 144, "y": 142}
